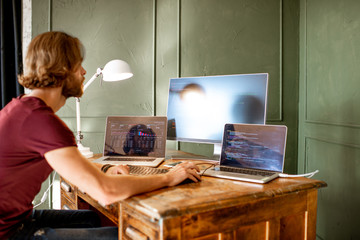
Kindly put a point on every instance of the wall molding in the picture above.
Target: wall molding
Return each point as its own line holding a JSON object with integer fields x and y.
{"x": 154, "y": 57}
{"x": 331, "y": 142}
{"x": 281, "y": 45}
{"x": 332, "y": 123}
{"x": 306, "y": 138}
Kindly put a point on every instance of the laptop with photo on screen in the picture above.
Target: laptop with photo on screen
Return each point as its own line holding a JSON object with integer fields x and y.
{"x": 251, "y": 152}
{"x": 134, "y": 140}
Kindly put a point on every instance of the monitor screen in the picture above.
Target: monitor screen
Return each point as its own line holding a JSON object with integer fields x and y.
{"x": 199, "y": 107}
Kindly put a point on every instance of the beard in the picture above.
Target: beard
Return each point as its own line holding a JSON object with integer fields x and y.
{"x": 73, "y": 87}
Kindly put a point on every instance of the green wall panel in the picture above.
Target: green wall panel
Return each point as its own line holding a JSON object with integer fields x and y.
{"x": 41, "y": 14}
{"x": 329, "y": 116}
{"x": 333, "y": 53}
{"x": 233, "y": 37}
{"x": 167, "y": 64}
{"x": 339, "y": 166}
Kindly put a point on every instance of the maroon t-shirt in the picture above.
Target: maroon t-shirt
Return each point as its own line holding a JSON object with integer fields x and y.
{"x": 28, "y": 129}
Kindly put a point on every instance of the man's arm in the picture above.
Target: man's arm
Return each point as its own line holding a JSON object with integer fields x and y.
{"x": 114, "y": 169}
{"x": 74, "y": 167}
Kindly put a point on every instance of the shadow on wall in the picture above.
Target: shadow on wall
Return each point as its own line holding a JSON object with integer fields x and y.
{"x": 248, "y": 109}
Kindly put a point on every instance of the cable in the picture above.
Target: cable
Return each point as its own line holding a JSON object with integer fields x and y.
{"x": 43, "y": 198}
{"x": 308, "y": 175}
{"x": 203, "y": 171}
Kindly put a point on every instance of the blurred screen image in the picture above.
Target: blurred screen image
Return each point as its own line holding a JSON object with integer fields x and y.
{"x": 199, "y": 107}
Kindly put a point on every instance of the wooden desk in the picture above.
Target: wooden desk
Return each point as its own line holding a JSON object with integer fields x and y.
{"x": 212, "y": 209}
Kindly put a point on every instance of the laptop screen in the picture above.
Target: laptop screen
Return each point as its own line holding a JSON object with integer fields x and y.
{"x": 254, "y": 146}
{"x": 135, "y": 136}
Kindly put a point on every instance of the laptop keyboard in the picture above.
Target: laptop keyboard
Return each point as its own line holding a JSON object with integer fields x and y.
{"x": 133, "y": 159}
{"x": 246, "y": 171}
{"x": 140, "y": 170}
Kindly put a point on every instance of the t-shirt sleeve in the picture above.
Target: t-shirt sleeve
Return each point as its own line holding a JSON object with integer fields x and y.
{"x": 44, "y": 131}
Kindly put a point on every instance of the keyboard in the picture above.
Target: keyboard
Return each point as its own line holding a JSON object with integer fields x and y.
{"x": 133, "y": 159}
{"x": 140, "y": 170}
{"x": 246, "y": 171}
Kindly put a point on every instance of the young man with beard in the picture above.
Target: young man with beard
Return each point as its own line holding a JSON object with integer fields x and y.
{"x": 34, "y": 142}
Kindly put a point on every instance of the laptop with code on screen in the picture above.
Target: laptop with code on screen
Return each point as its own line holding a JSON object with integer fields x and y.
{"x": 251, "y": 152}
{"x": 135, "y": 140}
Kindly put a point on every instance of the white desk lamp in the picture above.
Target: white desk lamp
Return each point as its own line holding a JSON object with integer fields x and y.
{"x": 114, "y": 70}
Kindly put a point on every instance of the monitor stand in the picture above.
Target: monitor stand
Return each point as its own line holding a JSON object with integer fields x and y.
{"x": 175, "y": 152}
{"x": 217, "y": 151}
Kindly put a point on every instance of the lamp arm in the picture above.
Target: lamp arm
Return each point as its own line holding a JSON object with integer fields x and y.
{"x": 114, "y": 70}
{"x": 78, "y": 121}
{"x": 98, "y": 72}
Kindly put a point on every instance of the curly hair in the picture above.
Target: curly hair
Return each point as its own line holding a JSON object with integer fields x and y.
{"x": 51, "y": 59}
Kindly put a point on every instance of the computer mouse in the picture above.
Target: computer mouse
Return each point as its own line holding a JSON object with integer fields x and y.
{"x": 188, "y": 180}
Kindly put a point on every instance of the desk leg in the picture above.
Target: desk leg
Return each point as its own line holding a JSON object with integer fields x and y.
{"x": 311, "y": 214}
{"x": 171, "y": 228}
{"x": 273, "y": 229}
{"x": 120, "y": 223}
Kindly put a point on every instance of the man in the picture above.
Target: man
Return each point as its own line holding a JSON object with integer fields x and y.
{"x": 34, "y": 142}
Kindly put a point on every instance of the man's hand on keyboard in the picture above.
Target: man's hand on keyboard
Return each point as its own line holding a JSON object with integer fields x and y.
{"x": 182, "y": 171}
{"x": 118, "y": 169}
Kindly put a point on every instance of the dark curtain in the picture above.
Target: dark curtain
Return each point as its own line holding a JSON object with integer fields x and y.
{"x": 11, "y": 50}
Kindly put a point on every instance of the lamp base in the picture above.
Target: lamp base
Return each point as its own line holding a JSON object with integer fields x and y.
{"x": 85, "y": 151}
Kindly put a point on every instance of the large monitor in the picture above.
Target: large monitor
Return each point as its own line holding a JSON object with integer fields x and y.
{"x": 199, "y": 107}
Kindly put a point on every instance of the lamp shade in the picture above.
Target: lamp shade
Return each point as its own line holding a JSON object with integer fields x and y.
{"x": 116, "y": 70}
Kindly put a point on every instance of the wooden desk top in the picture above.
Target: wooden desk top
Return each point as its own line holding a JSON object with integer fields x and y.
{"x": 213, "y": 193}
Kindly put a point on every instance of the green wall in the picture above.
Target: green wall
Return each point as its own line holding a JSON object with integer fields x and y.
{"x": 329, "y": 113}
{"x": 172, "y": 38}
